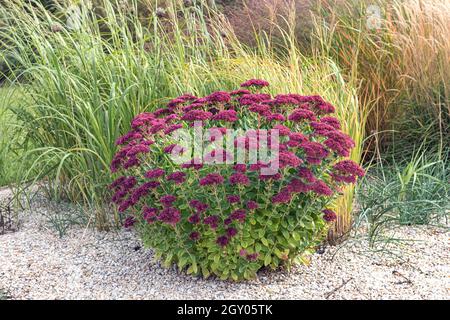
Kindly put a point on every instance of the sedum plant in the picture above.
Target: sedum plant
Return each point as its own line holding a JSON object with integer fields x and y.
{"x": 235, "y": 181}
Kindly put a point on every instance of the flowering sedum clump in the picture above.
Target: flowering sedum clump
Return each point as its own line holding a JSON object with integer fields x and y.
{"x": 229, "y": 183}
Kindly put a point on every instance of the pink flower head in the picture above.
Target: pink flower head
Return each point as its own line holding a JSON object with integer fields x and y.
{"x": 240, "y": 167}
{"x": 156, "y": 128}
{"x": 170, "y": 118}
{"x": 178, "y": 177}
{"x": 306, "y": 174}
{"x": 118, "y": 182}
{"x": 167, "y": 200}
{"x": 231, "y": 232}
{"x": 261, "y": 109}
{"x": 198, "y": 205}
{"x": 320, "y": 188}
{"x": 192, "y": 107}
{"x": 289, "y": 159}
{"x": 284, "y": 99}
{"x": 194, "y": 219}
{"x": 187, "y": 97}
{"x": 196, "y": 115}
{"x": 212, "y": 221}
{"x": 222, "y": 241}
{"x": 170, "y": 216}
{"x": 297, "y": 186}
{"x": 297, "y": 136}
{"x": 215, "y": 130}
{"x": 324, "y": 108}
{"x": 219, "y": 96}
{"x": 249, "y": 99}
{"x": 127, "y": 137}
{"x": 258, "y": 166}
{"x": 329, "y": 215}
{"x": 315, "y": 152}
{"x": 163, "y": 111}
{"x": 211, "y": 179}
{"x": 239, "y": 178}
{"x": 226, "y": 115}
{"x": 275, "y": 117}
{"x": 170, "y": 148}
{"x": 142, "y": 120}
{"x": 252, "y": 256}
{"x": 131, "y": 162}
{"x": 175, "y": 102}
{"x": 347, "y": 171}
{"x": 331, "y": 121}
{"x": 150, "y": 214}
{"x": 321, "y": 128}
{"x": 154, "y": 173}
{"x": 233, "y": 198}
{"x": 140, "y": 192}
{"x": 194, "y": 164}
{"x": 340, "y": 143}
{"x": 252, "y": 205}
{"x": 194, "y": 236}
{"x": 137, "y": 149}
{"x": 282, "y": 197}
{"x": 255, "y": 83}
{"x": 239, "y": 92}
{"x": 275, "y": 177}
{"x": 301, "y": 114}
{"x": 125, "y": 205}
{"x": 239, "y": 215}
{"x": 283, "y": 130}
{"x": 129, "y": 222}
{"x": 172, "y": 128}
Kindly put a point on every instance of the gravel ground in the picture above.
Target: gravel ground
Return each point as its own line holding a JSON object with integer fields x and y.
{"x": 35, "y": 263}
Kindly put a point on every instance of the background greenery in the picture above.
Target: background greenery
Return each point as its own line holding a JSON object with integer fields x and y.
{"x": 68, "y": 92}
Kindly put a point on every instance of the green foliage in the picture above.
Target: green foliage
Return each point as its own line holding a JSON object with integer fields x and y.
{"x": 278, "y": 241}
{"x": 217, "y": 218}
{"x": 12, "y": 142}
{"x": 87, "y": 85}
{"x": 413, "y": 192}
{"x": 84, "y": 86}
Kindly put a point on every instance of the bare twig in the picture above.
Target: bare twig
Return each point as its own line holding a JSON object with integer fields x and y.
{"x": 406, "y": 280}
{"x": 329, "y": 294}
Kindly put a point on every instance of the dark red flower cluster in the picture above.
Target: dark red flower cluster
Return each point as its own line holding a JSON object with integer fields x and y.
{"x": 219, "y": 96}
{"x": 212, "y": 221}
{"x": 239, "y": 178}
{"x": 255, "y": 83}
{"x": 170, "y": 216}
{"x": 196, "y": 115}
{"x": 150, "y": 214}
{"x": 215, "y": 203}
{"x": 329, "y": 215}
{"x": 301, "y": 114}
{"x": 347, "y": 171}
{"x": 211, "y": 179}
{"x": 226, "y": 115}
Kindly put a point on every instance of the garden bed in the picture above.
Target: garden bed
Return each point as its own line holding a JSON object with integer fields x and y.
{"x": 86, "y": 264}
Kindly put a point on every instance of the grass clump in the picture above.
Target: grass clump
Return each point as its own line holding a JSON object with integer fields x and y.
{"x": 85, "y": 83}
{"x": 405, "y": 193}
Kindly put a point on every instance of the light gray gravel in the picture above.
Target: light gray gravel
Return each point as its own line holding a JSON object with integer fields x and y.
{"x": 35, "y": 263}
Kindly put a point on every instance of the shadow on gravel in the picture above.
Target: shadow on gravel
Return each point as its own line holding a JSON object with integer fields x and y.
{"x": 7, "y": 223}
{"x": 4, "y": 295}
